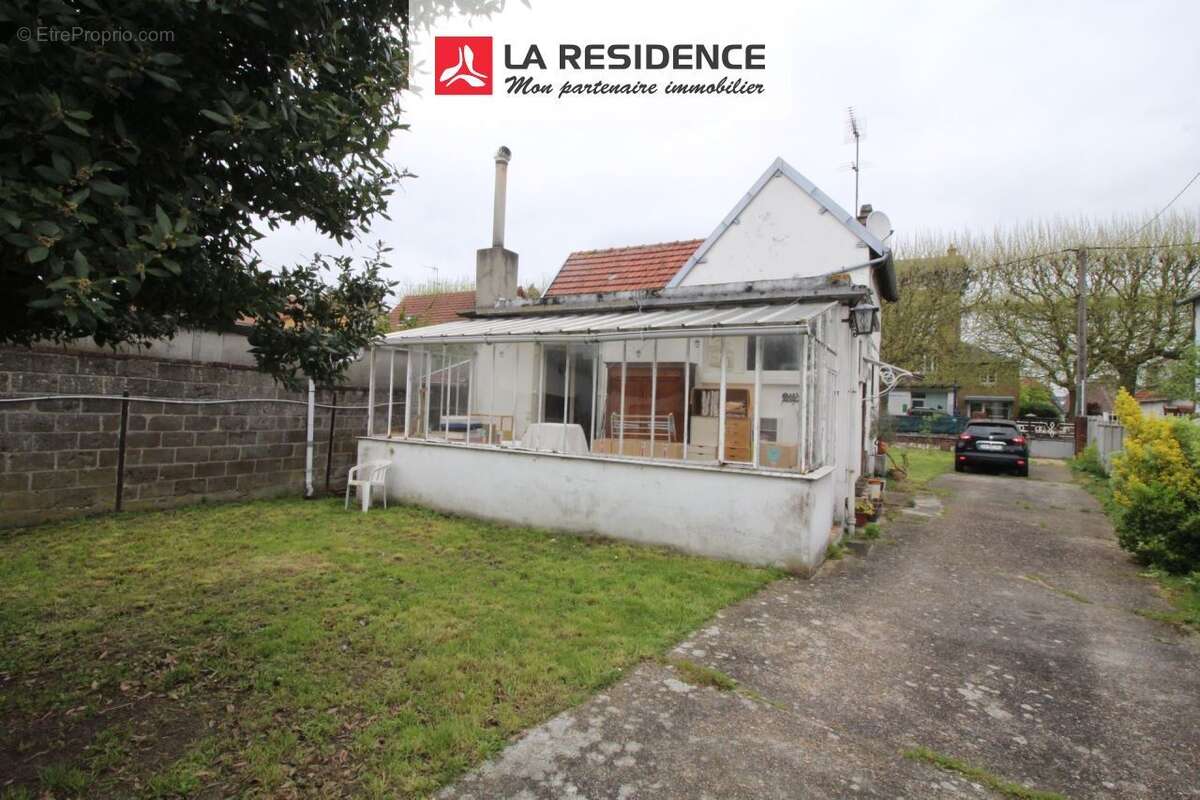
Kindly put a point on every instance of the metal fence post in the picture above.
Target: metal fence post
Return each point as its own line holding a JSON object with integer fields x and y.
{"x": 121, "y": 450}
{"x": 329, "y": 449}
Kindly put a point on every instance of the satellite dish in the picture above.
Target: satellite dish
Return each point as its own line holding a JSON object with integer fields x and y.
{"x": 879, "y": 224}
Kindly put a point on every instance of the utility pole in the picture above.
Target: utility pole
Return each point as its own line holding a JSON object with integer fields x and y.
{"x": 1081, "y": 354}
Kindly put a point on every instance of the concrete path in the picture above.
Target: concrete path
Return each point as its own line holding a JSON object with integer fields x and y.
{"x": 1001, "y": 633}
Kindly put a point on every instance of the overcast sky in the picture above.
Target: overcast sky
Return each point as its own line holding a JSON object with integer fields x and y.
{"x": 976, "y": 114}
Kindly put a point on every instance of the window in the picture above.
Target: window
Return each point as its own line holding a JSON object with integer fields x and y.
{"x": 768, "y": 429}
{"x": 918, "y": 399}
{"x": 988, "y": 378}
{"x": 779, "y": 353}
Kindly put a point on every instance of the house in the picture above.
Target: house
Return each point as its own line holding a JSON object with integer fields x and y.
{"x": 712, "y": 395}
{"x": 924, "y": 335}
{"x": 1154, "y": 404}
{"x": 1194, "y": 302}
{"x": 434, "y": 308}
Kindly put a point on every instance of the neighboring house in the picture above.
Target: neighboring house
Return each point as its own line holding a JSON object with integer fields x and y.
{"x": 989, "y": 384}
{"x": 712, "y": 395}
{"x": 925, "y": 337}
{"x": 1194, "y": 302}
{"x": 915, "y": 396}
{"x": 418, "y": 310}
{"x": 984, "y": 385}
{"x": 1100, "y": 399}
{"x": 1157, "y": 405}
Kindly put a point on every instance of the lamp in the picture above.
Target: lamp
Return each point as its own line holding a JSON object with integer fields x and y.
{"x": 864, "y": 319}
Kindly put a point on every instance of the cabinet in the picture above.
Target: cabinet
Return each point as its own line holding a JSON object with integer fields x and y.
{"x": 738, "y": 421}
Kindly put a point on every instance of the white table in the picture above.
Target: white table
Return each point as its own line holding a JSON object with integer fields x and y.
{"x": 555, "y": 437}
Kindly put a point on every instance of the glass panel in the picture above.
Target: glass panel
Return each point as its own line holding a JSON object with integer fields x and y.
{"x": 780, "y": 408}
{"x": 705, "y": 409}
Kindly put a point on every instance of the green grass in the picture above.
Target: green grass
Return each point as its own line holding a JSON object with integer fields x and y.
{"x": 1183, "y": 593}
{"x": 923, "y": 465}
{"x": 255, "y": 648}
{"x": 996, "y": 784}
{"x": 700, "y": 675}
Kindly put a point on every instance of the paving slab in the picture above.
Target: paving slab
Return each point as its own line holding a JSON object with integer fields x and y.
{"x": 1001, "y": 633}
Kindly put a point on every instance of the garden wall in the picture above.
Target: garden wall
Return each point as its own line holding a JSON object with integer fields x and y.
{"x": 58, "y": 458}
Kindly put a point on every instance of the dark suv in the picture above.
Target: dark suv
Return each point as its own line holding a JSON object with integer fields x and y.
{"x": 993, "y": 443}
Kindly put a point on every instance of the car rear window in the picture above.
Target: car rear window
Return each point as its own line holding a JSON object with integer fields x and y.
{"x": 976, "y": 429}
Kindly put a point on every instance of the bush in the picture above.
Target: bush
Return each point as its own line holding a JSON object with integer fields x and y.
{"x": 1156, "y": 489}
{"x": 1089, "y": 462}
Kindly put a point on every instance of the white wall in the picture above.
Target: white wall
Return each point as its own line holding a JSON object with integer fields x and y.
{"x": 775, "y": 520}
{"x": 782, "y": 233}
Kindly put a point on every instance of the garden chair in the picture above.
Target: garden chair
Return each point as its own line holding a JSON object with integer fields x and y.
{"x": 365, "y": 477}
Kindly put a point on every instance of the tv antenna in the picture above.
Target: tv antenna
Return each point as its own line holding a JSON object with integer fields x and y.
{"x": 855, "y": 131}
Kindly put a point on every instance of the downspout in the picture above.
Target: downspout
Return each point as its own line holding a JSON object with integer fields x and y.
{"x": 309, "y": 443}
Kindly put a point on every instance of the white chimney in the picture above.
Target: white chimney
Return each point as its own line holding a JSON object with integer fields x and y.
{"x": 495, "y": 267}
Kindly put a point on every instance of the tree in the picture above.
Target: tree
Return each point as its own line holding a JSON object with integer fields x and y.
{"x": 921, "y": 333}
{"x": 138, "y": 165}
{"x": 1038, "y": 400}
{"x": 1023, "y": 296}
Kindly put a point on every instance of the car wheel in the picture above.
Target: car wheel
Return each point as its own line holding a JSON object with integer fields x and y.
{"x": 959, "y": 467}
{"x": 1022, "y": 472}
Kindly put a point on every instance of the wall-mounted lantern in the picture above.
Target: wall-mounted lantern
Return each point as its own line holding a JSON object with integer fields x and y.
{"x": 864, "y": 319}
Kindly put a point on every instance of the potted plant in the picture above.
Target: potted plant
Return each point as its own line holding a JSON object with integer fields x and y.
{"x": 864, "y": 511}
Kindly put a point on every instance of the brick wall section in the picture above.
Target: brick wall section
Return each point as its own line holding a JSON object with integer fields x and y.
{"x": 58, "y": 458}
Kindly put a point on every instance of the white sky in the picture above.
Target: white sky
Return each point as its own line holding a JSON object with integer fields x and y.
{"x": 977, "y": 115}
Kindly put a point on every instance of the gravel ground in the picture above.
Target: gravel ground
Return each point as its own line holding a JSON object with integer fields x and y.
{"x": 1001, "y": 633}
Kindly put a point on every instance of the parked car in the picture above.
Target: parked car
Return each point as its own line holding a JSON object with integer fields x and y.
{"x": 996, "y": 443}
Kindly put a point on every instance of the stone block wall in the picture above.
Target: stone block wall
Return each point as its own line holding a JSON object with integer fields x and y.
{"x": 58, "y": 457}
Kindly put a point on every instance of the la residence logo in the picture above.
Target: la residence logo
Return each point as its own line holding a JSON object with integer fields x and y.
{"x": 462, "y": 64}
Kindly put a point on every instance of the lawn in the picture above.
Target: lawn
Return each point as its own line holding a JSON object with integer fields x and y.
{"x": 288, "y": 648}
{"x": 922, "y": 464}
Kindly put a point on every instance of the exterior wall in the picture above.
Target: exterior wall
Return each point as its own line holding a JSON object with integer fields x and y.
{"x": 1153, "y": 408}
{"x": 58, "y": 458}
{"x": 782, "y": 233}
{"x": 770, "y": 519}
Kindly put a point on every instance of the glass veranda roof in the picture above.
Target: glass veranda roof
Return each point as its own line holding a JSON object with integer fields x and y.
{"x": 750, "y": 319}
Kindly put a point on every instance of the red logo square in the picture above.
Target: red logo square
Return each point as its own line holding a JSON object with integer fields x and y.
{"x": 462, "y": 64}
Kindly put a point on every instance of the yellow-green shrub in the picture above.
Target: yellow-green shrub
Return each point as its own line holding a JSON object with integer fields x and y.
{"x": 1156, "y": 488}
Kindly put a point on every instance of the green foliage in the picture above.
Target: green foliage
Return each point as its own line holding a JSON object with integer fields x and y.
{"x": 1037, "y": 399}
{"x": 137, "y": 173}
{"x": 1177, "y": 379}
{"x": 1161, "y": 526}
{"x": 1089, "y": 462}
{"x": 700, "y": 675}
{"x": 319, "y": 328}
{"x": 871, "y": 531}
{"x": 1156, "y": 489}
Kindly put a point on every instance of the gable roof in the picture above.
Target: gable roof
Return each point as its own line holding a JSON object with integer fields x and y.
{"x": 432, "y": 309}
{"x": 618, "y": 269}
{"x": 887, "y": 280}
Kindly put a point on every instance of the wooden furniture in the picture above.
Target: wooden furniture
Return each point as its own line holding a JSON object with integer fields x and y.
{"x": 705, "y": 413}
{"x": 639, "y": 391}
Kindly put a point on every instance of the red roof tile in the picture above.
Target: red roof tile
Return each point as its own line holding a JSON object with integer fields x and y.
{"x": 648, "y": 266}
{"x": 432, "y": 309}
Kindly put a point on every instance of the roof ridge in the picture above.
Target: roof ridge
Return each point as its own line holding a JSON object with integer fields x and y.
{"x": 626, "y": 248}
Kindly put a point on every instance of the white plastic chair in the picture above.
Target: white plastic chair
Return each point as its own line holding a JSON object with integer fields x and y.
{"x": 375, "y": 475}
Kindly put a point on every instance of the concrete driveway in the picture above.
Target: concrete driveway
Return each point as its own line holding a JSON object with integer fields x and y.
{"x": 1002, "y": 634}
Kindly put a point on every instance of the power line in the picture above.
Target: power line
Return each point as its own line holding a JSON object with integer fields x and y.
{"x": 1154, "y": 219}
